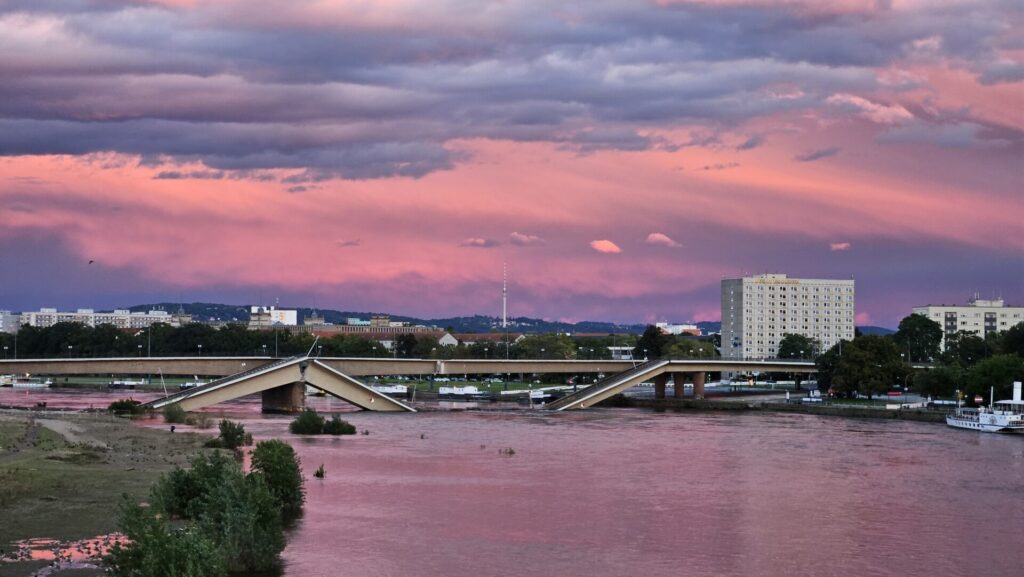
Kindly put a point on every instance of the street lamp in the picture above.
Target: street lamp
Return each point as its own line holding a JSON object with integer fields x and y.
{"x": 69, "y": 351}
{"x": 542, "y": 355}
{"x": 140, "y": 350}
{"x": 5, "y": 352}
{"x": 487, "y": 353}
{"x": 200, "y": 350}
{"x": 264, "y": 350}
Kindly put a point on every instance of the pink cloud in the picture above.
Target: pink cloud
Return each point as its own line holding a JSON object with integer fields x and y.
{"x": 837, "y": 246}
{"x": 479, "y": 243}
{"x": 659, "y": 239}
{"x": 520, "y": 239}
{"x": 605, "y": 246}
{"x": 863, "y": 318}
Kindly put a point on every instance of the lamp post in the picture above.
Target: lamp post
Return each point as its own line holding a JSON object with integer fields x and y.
{"x": 264, "y": 350}
{"x": 5, "y": 352}
{"x": 140, "y": 350}
{"x": 542, "y": 355}
{"x": 200, "y": 350}
{"x": 69, "y": 351}
{"x": 487, "y": 353}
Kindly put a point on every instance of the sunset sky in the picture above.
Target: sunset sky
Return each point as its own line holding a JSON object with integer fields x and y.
{"x": 621, "y": 157}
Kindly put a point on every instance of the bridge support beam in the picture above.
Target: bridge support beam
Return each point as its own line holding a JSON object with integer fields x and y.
{"x": 659, "y": 386}
{"x": 680, "y": 384}
{"x": 285, "y": 399}
{"x": 698, "y": 385}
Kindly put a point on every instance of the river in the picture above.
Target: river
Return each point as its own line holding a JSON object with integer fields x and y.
{"x": 621, "y": 492}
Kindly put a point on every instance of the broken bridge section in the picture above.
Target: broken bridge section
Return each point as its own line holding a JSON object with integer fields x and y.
{"x": 282, "y": 385}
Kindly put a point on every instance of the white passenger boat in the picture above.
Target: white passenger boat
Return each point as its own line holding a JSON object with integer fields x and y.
{"x": 398, "y": 390}
{"x": 127, "y": 383}
{"x": 997, "y": 417}
{"x": 28, "y": 382}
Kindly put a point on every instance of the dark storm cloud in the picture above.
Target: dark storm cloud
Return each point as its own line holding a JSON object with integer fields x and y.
{"x": 246, "y": 88}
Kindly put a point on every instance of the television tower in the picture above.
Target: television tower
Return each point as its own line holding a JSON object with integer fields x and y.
{"x": 504, "y": 295}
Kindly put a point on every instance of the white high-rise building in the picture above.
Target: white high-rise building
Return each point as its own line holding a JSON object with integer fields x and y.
{"x": 979, "y": 316}
{"x": 757, "y": 311}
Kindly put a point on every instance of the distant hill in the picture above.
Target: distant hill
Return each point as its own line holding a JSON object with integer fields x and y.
{"x": 467, "y": 324}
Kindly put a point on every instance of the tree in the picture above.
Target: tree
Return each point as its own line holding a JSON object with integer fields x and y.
{"x": 942, "y": 381}
{"x": 965, "y": 349}
{"x": 827, "y": 364}
{"x": 652, "y": 344}
{"x": 869, "y": 365}
{"x": 794, "y": 346}
{"x": 999, "y": 371}
{"x": 1011, "y": 341}
{"x": 919, "y": 337}
{"x": 405, "y": 345}
{"x": 280, "y": 467}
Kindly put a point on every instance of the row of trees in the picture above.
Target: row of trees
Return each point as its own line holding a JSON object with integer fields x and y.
{"x": 76, "y": 340}
{"x": 872, "y": 365}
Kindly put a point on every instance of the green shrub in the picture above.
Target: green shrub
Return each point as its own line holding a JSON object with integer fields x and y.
{"x": 277, "y": 462}
{"x": 242, "y": 516}
{"x": 155, "y": 549}
{"x": 307, "y": 423}
{"x": 173, "y": 413}
{"x": 237, "y": 512}
{"x": 181, "y": 491}
{"x": 126, "y": 407}
{"x": 336, "y": 426}
{"x": 232, "y": 435}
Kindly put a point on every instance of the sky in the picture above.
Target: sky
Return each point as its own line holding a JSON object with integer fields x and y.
{"x": 620, "y": 158}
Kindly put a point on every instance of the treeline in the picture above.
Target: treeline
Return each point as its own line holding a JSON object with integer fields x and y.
{"x": 872, "y": 365}
{"x": 75, "y": 340}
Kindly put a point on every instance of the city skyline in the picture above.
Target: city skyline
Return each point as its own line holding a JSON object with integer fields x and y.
{"x": 622, "y": 158}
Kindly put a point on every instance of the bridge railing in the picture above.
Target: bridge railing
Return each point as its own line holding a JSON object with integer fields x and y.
{"x": 181, "y": 395}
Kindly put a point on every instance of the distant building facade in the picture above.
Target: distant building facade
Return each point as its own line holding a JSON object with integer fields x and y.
{"x": 265, "y": 317}
{"x": 979, "y": 316}
{"x": 9, "y": 322}
{"x": 674, "y": 329}
{"x": 120, "y": 318}
{"x": 757, "y": 311}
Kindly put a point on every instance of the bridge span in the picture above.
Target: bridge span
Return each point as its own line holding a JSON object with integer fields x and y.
{"x": 281, "y": 382}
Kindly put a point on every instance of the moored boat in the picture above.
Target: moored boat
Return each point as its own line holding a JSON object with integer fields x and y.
{"x": 27, "y": 382}
{"x": 997, "y": 417}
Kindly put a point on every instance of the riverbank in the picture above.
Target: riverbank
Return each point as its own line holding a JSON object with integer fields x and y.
{"x": 776, "y": 404}
{"x": 62, "y": 474}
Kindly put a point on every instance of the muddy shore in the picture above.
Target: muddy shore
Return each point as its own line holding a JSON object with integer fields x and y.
{"x": 62, "y": 475}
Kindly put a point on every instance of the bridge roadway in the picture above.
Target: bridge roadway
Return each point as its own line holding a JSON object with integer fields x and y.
{"x": 356, "y": 367}
{"x": 281, "y": 382}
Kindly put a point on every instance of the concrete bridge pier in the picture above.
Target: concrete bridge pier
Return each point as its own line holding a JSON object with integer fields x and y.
{"x": 285, "y": 399}
{"x": 659, "y": 386}
{"x": 679, "y": 379}
{"x": 698, "y": 385}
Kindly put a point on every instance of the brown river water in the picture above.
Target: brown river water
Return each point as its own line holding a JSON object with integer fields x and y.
{"x": 622, "y": 492}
